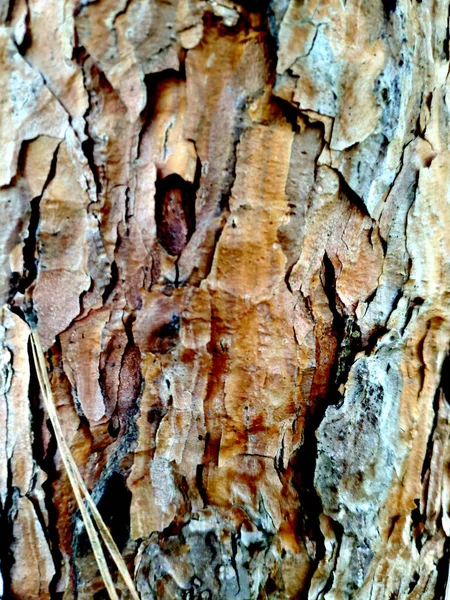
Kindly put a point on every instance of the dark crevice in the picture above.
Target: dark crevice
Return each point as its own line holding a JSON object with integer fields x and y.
{"x": 111, "y": 495}
{"x": 445, "y": 378}
{"x": 234, "y": 551}
{"x": 114, "y": 506}
{"x": 339, "y": 533}
{"x": 348, "y": 339}
{"x": 412, "y": 306}
{"x": 287, "y": 276}
{"x": 118, "y": 14}
{"x": 30, "y": 259}
{"x": 275, "y": 14}
{"x": 329, "y": 286}
{"x": 88, "y": 151}
{"x": 443, "y": 573}
{"x": 27, "y": 38}
{"x": 278, "y": 461}
{"x": 95, "y": 81}
{"x": 345, "y": 330}
{"x": 128, "y": 215}
{"x": 290, "y": 112}
{"x": 229, "y": 179}
{"x": 44, "y": 455}
{"x": 200, "y": 486}
{"x": 79, "y": 55}
{"x": 370, "y": 297}
{"x": 389, "y": 7}
{"x": 420, "y": 356}
{"x": 447, "y": 37}
{"x": 298, "y": 204}
{"x": 7, "y": 511}
{"x": 380, "y": 330}
{"x": 112, "y": 282}
{"x": 352, "y": 195}
{"x": 101, "y": 595}
{"x": 303, "y": 464}
{"x": 425, "y": 474}
{"x": 6, "y": 12}
{"x": 384, "y": 244}
{"x": 374, "y": 339}
{"x": 350, "y": 345}
{"x": 417, "y": 526}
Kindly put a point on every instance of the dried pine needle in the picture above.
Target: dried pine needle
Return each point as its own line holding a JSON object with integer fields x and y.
{"x": 79, "y": 487}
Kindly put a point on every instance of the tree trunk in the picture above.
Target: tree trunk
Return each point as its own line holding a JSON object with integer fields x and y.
{"x": 229, "y": 222}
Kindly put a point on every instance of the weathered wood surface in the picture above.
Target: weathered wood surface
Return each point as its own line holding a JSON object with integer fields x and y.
{"x": 231, "y": 222}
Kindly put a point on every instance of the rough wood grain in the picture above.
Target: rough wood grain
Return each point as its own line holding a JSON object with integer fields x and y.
{"x": 229, "y": 222}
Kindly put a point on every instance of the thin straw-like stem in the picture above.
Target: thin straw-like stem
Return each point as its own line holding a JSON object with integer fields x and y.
{"x": 79, "y": 486}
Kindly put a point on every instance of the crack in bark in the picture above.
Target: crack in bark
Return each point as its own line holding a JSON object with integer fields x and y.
{"x": 30, "y": 258}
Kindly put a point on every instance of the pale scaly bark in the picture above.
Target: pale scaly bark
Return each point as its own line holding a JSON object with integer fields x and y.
{"x": 230, "y": 222}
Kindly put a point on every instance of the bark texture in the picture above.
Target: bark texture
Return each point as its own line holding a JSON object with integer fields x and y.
{"x": 230, "y": 222}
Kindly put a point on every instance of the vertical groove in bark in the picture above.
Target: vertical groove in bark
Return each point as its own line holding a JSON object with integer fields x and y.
{"x": 229, "y": 222}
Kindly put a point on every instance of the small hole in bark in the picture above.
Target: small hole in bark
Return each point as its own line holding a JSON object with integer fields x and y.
{"x": 175, "y": 212}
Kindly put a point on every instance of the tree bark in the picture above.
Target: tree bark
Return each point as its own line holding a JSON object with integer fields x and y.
{"x": 229, "y": 222}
